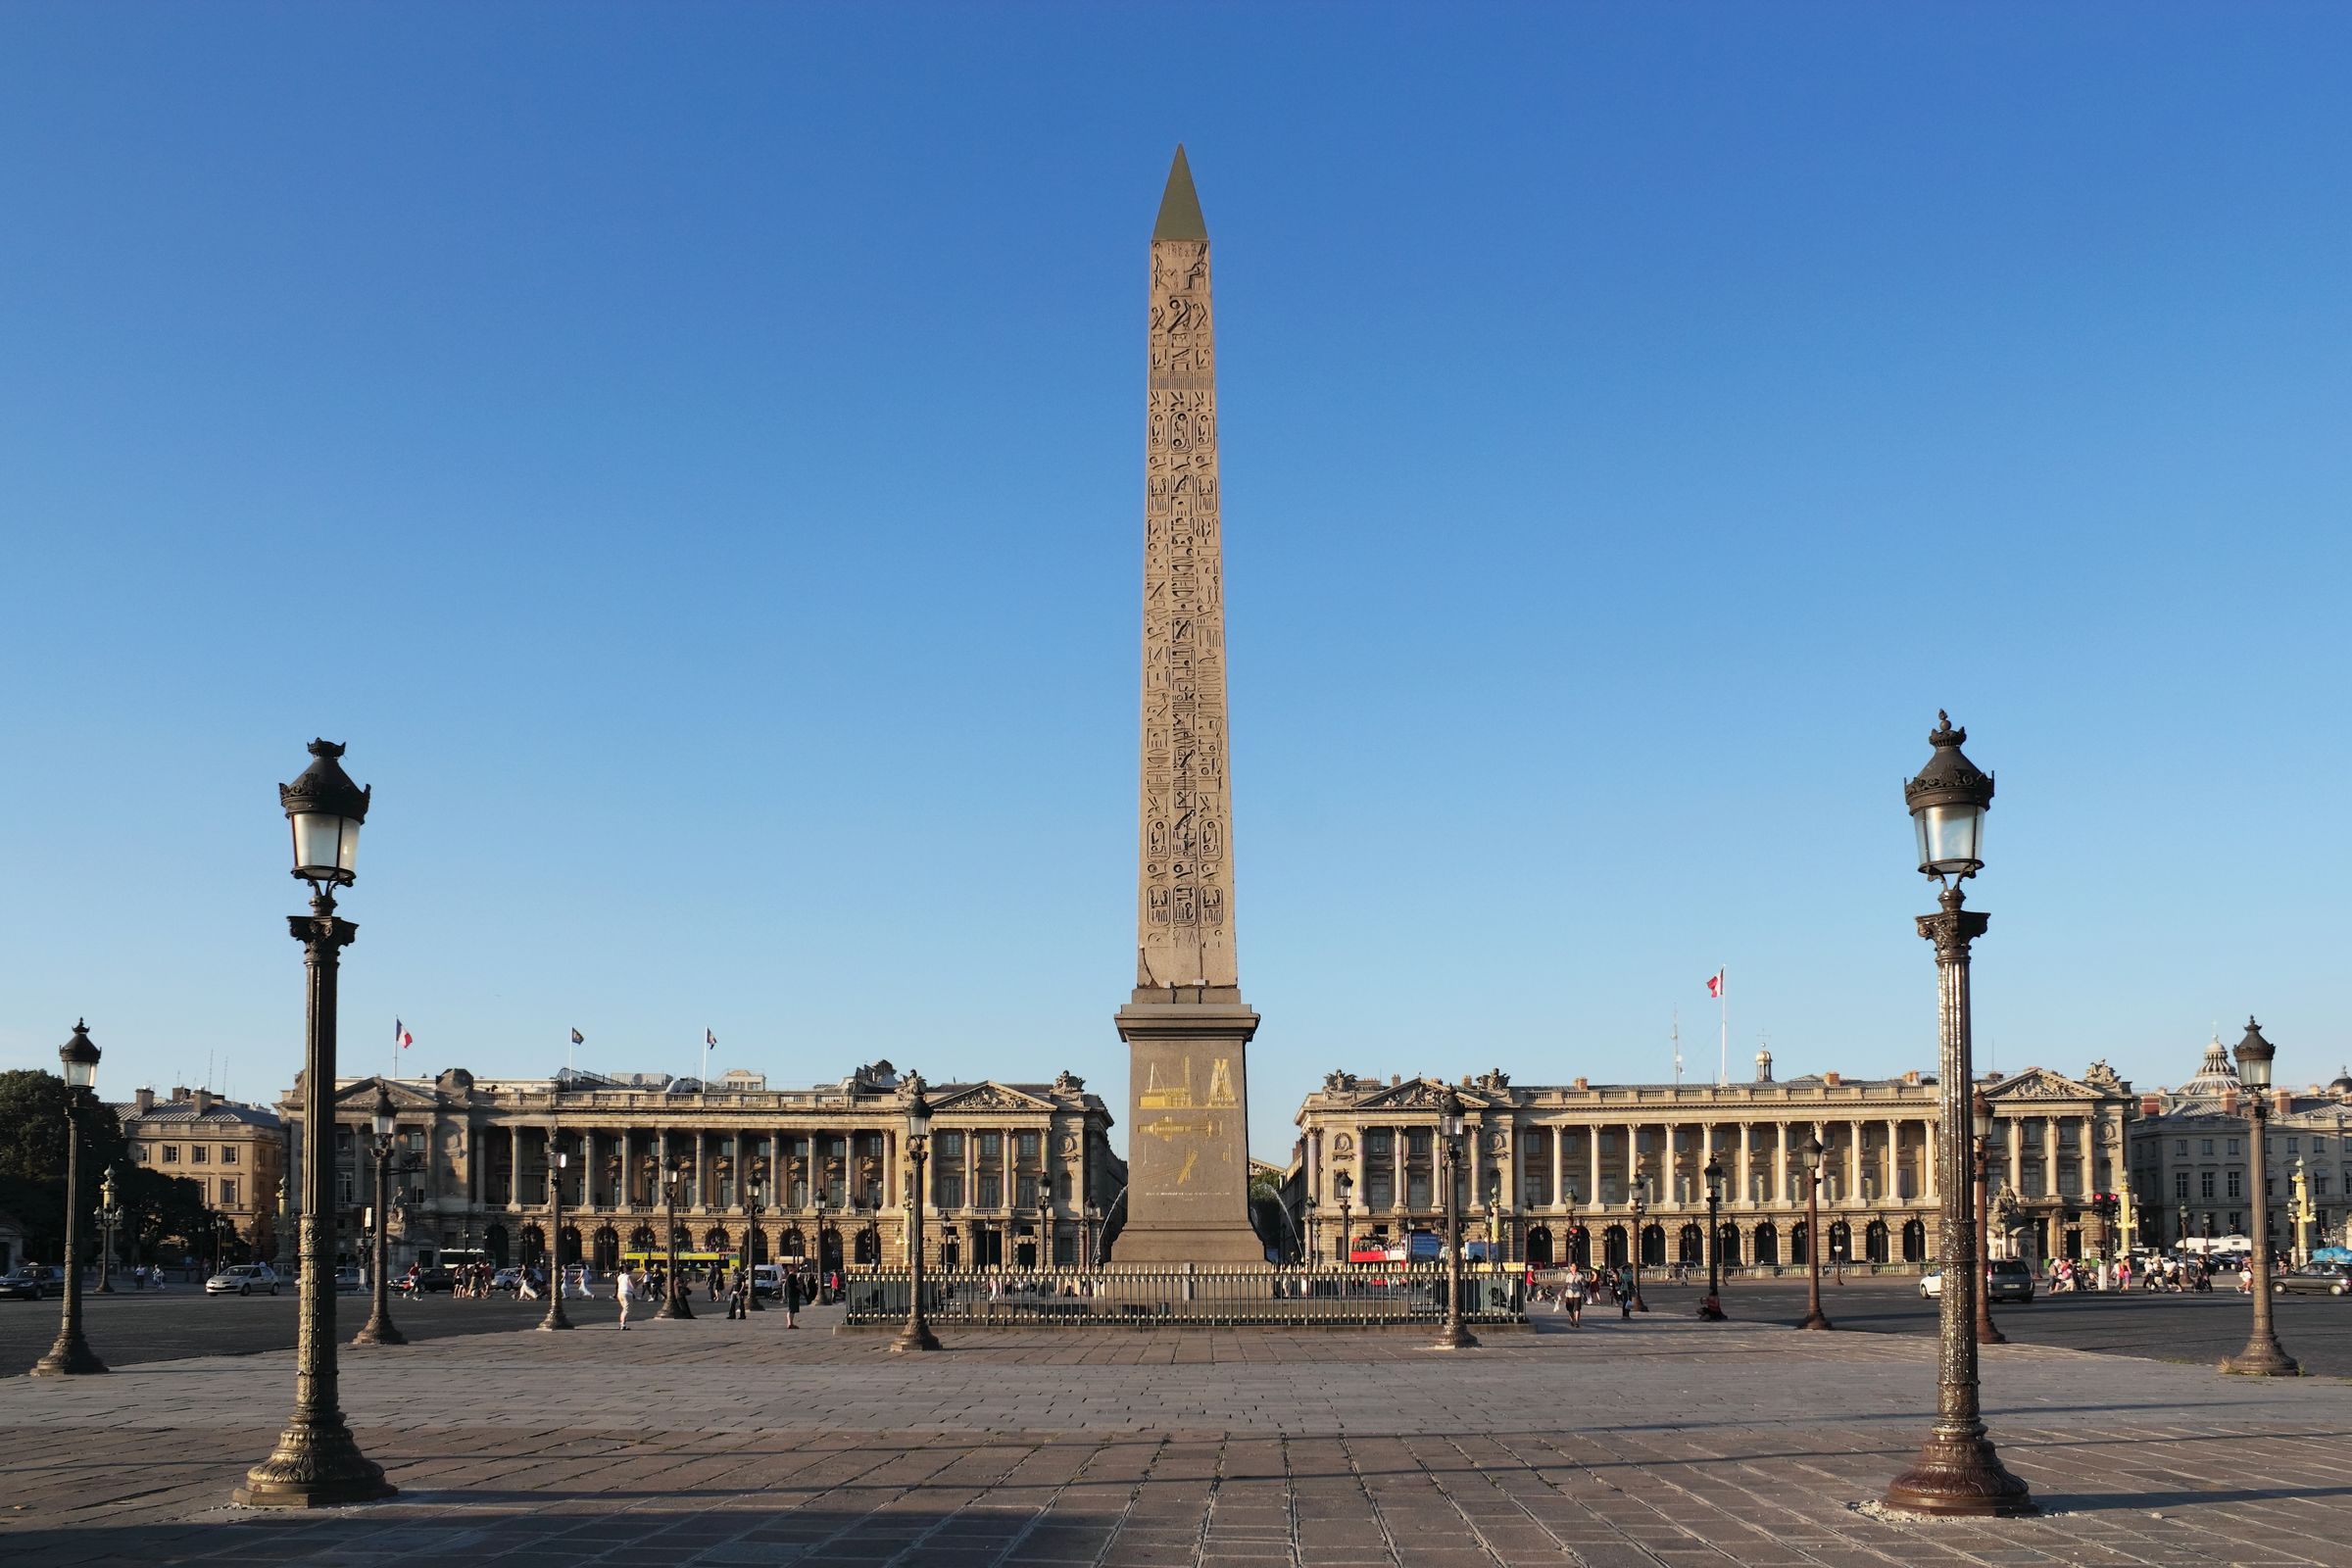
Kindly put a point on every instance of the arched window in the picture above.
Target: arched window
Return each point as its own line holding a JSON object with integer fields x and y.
{"x": 643, "y": 1239}
{"x": 534, "y": 1246}
{"x": 1539, "y": 1246}
{"x": 1690, "y": 1246}
{"x": 1653, "y": 1246}
{"x": 1613, "y": 1248}
{"x": 1915, "y": 1242}
{"x": 1800, "y": 1243}
{"x": 715, "y": 1240}
{"x": 1768, "y": 1244}
{"x": 567, "y": 1251}
{"x": 494, "y": 1241}
{"x": 608, "y": 1250}
{"x": 1727, "y": 1244}
{"x": 1873, "y": 1241}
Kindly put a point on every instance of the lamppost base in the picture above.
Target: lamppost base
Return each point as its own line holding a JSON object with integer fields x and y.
{"x": 70, "y": 1357}
{"x": 914, "y": 1337}
{"x": 1711, "y": 1309}
{"x": 675, "y": 1305}
{"x": 2260, "y": 1358}
{"x": 1987, "y": 1334}
{"x": 1959, "y": 1476}
{"x": 554, "y": 1319}
{"x": 1640, "y": 1306}
{"x": 378, "y": 1331}
{"x": 314, "y": 1467}
{"x": 1454, "y": 1337}
{"x": 1817, "y": 1320}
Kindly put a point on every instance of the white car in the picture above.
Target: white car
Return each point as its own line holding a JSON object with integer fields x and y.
{"x": 242, "y": 1279}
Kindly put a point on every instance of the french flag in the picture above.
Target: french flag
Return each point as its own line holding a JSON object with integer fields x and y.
{"x": 402, "y": 1035}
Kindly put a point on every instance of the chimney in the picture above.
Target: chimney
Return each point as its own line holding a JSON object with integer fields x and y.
{"x": 2151, "y": 1105}
{"x": 2282, "y": 1102}
{"x": 1830, "y": 1079}
{"x": 2229, "y": 1100}
{"x": 179, "y": 1092}
{"x": 1912, "y": 1077}
{"x": 144, "y": 1101}
{"x": 1581, "y": 1084}
{"x": 205, "y": 1100}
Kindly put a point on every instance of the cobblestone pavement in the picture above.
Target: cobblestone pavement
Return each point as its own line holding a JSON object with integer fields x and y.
{"x": 1662, "y": 1441}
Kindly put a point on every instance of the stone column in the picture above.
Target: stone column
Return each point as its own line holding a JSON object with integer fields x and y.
{"x": 2016, "y": 1154}
{"x": 1930, "y": 1188}
{"x": 1779, "y": 1165}
{"x": 1592, "y": 1164}
{"x": 2088, "y": 1153}
{"x": 1853, "y": 1160}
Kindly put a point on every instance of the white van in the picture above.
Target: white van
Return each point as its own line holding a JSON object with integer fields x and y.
{"x": 767, "y": 1279}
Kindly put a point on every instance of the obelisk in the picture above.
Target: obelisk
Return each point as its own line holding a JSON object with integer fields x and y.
{"x": 1187, "y": 1029}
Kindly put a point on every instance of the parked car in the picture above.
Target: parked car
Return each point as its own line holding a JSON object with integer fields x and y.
{"x": 348, "y": 1281}
{"x": 2329, "y": 1279}
{"x": 242, "y": 1279}
{"x": 509, "y": 1280}
{"x": 2006, "y": 1279}
{"x": 430, "y": 1280}
{"x": 767, "y": 1279}
{"x": 27, "y": 1284}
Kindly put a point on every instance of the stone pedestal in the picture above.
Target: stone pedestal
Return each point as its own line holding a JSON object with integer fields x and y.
{"x": 1187, "y": 1129}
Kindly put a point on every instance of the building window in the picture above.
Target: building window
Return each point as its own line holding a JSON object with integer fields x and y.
{"x": 171, "y": 1153}
{"x": 950, "y": 1146}
{"x": 2319, "y": 1146}
{"x": 197, "y": 1154}
{"x": 139, "y": 1154}
{"x": 2233, "y": 1146}
{"x": 2209, "y": 1145}
{"x": 991, "y": 1144}
{"x": 2205, "y": 1183}
{"x": 2236, "y": 1188}
{"x": 2180, "y": 1146}
{"x": 1025, "y": 1145}
{"x": 1025, "y": 1192}
{"x": 228, "y": 1192}
{"x": 2294, "y": 1146}
{"x": 229, "y": 1154}
{"x": 2179, "y": 1184}
{"x": 343, "y": 1189}
{"x": 992, "y": 1189}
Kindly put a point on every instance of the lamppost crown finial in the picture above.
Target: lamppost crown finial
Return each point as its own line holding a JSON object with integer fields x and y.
{"x": 1947, "y": 799}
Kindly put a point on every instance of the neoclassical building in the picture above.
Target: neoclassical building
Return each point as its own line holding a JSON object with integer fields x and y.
{"x": 1018, "y": 1172}
{"x": 1553, "y": 1171}
{"x": 2190, "y": 1165}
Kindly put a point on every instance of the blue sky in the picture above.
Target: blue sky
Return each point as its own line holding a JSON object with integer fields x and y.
{"x": 692, "y": 455}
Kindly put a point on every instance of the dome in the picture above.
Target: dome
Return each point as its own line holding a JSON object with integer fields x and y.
{"x": 2342, "y": 1083}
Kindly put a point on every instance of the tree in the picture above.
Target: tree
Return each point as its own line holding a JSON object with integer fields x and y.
{"x": 156, "y": 1206}
{"x": 32, "y": 1154}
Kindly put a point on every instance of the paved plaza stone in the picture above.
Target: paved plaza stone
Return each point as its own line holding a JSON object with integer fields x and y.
{"x": 1660, "y": 1441}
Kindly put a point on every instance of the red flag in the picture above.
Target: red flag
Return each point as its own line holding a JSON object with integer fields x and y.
{"x": 1715, "y": 984}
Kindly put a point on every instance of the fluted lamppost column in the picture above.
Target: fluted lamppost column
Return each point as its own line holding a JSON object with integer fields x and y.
{"x": 378, "y": 1329}
{"x": 1980, "y": 1116}
{"x": 755, "y": 1190}
{"x": 1957, "y": 1471}
{"x": 318, "y": 1463}
{"x": 559, "y": 1160}
{"x": 2263, "y": 1356}
{"x": 1345, "y": 1184}
{"x": 71, "y": 1355}
{"x": 917, "y": 1334}
{"x": 1712, "y": 1307}
{"x": 1640, "y": 1224}
{"x": 676, "y": 1300}
{"x": 1456, "y": 1335}
{"x": 1812, "y": 1153}
{"x": 109, "y": 1213}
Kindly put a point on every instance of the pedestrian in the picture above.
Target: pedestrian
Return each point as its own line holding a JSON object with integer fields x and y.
{"x": 1571, "y": 1296}
{"x": 624, "y": 1289}
{"x": 737, "y": 1303}
{"x": 792, "y": 1298}
{"x": 2245, "y": 1276}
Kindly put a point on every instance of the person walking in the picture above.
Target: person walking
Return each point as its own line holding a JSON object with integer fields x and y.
{"x": 738, "y": 1295}
{"x": 1571, "y": 1296}
{"x": 624, "y": 1289}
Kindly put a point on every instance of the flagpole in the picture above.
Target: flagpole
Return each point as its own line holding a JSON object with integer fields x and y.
{"x": 1678, "y": 1048}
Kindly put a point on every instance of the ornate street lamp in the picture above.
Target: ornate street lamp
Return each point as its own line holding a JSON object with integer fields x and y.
{"x": 755, "y": 1190}
{"x": 1306, "y": 1206}
{"x": 71, "y": 1355}
{"x": 1712, "y": 1307}
{"x": 559, "y": 1160}
{"x": 378, "y": 1329}
{"x": 1979, "y": 1112}
{"x": 676, "y": 1300}
{"x": 318, "y": 1463}
{"x": 110, "y": 1214}
{"x": 1811, "y": 1153}
{"x": 917, "y": 1334}
{"x": 1345, "y": 1184}
{"x": 1640, "y": 1224}
{"x": 1957, "y": 1471}
{"x": 1456, "y": 1335}
{"x": 1094, "y": 1222}
{"x": 2263, "y": 1356}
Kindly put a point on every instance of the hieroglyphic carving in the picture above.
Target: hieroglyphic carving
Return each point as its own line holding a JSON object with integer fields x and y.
{"x": 1184, "y": 905}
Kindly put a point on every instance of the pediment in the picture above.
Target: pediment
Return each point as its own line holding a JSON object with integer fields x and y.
{"x": 1427, "y": 1094}
{"x": 360, "y": 1097}
{"x": 2039, "y": 1083}
{"x": 991, "y": 1097}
